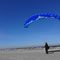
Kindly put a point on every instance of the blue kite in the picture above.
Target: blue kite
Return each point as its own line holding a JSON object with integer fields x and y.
{"x": 40, "y": 16}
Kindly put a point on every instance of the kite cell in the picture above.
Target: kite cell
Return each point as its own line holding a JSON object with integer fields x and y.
{"x": 38, "y": 17}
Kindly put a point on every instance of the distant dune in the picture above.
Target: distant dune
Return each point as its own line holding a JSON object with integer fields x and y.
{"x": 30, "y": 46}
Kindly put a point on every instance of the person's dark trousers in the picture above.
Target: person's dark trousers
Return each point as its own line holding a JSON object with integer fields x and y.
{"x": 46, "y": 51}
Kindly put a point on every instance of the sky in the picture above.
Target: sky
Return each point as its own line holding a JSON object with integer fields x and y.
{"x": 14, "y": 13}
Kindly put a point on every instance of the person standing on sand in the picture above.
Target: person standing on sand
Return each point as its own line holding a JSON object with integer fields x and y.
{"x": 46, "y": 48}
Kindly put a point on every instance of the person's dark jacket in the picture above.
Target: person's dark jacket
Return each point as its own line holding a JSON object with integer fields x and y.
{"x": 46, "y": 46}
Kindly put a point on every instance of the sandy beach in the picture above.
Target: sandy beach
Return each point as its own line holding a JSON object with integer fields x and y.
{"x": 30, "y": 54}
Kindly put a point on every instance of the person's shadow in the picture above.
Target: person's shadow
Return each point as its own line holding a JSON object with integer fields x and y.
{"x": 51, "y": 52}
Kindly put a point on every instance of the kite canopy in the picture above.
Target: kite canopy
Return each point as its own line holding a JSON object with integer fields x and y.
{"x": 40, "y": 16}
